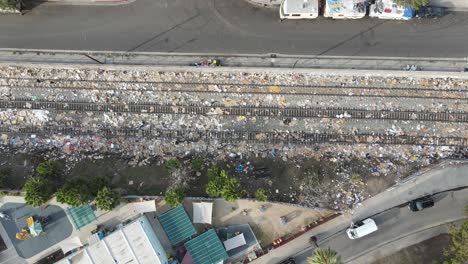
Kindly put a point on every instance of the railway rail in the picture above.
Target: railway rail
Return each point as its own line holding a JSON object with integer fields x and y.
{"x": 239, "y": 111}
{"x": 112, "y": 84}
{"x": 318, "y": 91}
{"x": 258, "y": 137}
{"x": 42, "y": 81}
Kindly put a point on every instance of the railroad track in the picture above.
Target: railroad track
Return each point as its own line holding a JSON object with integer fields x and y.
{"x": 239, "y": 111}
{"x": 320, "y": 91}
{"x": 42, "y": 81}
{"x": 34, "y": 85}
{"x": 258, "y": 137}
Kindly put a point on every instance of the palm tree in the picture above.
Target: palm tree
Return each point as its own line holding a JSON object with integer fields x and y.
{"x": 324, "y": 256}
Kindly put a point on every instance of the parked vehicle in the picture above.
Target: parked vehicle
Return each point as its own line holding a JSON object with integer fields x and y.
{"x": 430, "y": 12}
{"x": 299, "y": 9}
{"x": 361, "y": 228}
{"x": 288, "y": 261}
{"x": 345, "y": 9}
{"x": 421, "y": 203}
{"x": 388, "y": 9}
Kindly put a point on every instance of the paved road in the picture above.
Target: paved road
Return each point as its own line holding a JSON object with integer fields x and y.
{"x": 226, "y": 26}
{"x": 395, "y": 224}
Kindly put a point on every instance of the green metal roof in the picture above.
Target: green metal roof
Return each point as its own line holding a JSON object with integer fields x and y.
{"x": 82, "y": 215}
{"x": 206, "y": 248}
{"x": 177, "y": 225}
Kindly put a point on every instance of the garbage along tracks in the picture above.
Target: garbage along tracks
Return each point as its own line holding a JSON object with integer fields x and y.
{"x": 32, "y": 85}
{"x": 227, "y": 137}
{"x": 221, "y": 110}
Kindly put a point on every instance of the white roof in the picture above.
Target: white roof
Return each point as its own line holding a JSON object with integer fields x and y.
{"x": 144, "y": 207}
{"x": 127, "y": 245}
{"x": 202, "y": 212}
{"x": 301, "y": 6}
{"x": 234, "y": 242}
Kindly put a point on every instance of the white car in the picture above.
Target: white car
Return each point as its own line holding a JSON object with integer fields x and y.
{"x": 362, "y": 228}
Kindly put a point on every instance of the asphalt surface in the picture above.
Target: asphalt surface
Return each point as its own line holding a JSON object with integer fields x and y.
{"x": 395, "y": 224}
{"x": 227, "y": 26}
{"x": 57, "y": 229}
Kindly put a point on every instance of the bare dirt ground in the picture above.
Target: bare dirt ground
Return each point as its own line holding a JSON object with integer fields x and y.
{"x": 313, "y": 182}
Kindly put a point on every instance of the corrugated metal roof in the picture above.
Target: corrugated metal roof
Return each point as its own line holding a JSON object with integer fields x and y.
{"x": 206, "y": 248}
{"x": 177, "y": 225}
{"x": 127, "y": 245}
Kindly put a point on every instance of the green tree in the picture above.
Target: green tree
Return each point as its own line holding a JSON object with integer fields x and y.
{"x": 415, "y": 4}
{"x": 324, "y": 256}
{"x": 107, "y": 199}
{"x": 260, "y": 195}
{"x": 97, "y": 183}
{"x": 174, "y": 197}
{"x": 75, "y": 193}
{"x": 458, "y": 251}
{"x": 220, "y": 184}
{"x": 38, "y": 191}
{"x": 8, "y": 4}
{"x": 172, "y": 165}
{"x": 50, "y": 169}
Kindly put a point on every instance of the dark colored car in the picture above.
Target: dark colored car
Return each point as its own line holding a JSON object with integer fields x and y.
{"x": 430, "y": 12}
{"x": 288, "y": 261}
{"x": 421, "y": 203}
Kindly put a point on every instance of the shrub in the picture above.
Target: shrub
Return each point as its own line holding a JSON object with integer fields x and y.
{"x": 107, "y": 199}
{"x": 74, "y": 193}
{"x": 415, "y": 4}
{"x": 8, "y": 4}
{"x": 172, "y": 165}
{"x": 221, "y": 185}
{"x": 260, "y": 195}
{"x": 174, "y": 197}
{"x": 38, "y": 191}
{"x": 458, "y": 251}
{"x": 356, "y": 180}
{"x": 197, "y": 164}
{"x": 50, "y": 169}
{"x": 324, "y": 256}
{"x": 97, "y": 183}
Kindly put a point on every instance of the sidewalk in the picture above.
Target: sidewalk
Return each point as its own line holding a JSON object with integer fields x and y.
{"x": 448, "y": 175}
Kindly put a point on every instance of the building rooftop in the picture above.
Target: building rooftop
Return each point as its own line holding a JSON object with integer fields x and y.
{"x": 134, "y": 243}
{"x": 177, "y": 225}
{"x": 251, "y": 242}
{"x": 206, "y": 248}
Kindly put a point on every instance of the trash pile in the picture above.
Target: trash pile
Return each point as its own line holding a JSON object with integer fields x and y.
{"x": 64, "y": 126}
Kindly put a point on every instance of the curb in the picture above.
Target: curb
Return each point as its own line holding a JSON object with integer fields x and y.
{"x": 91, "y": 2}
